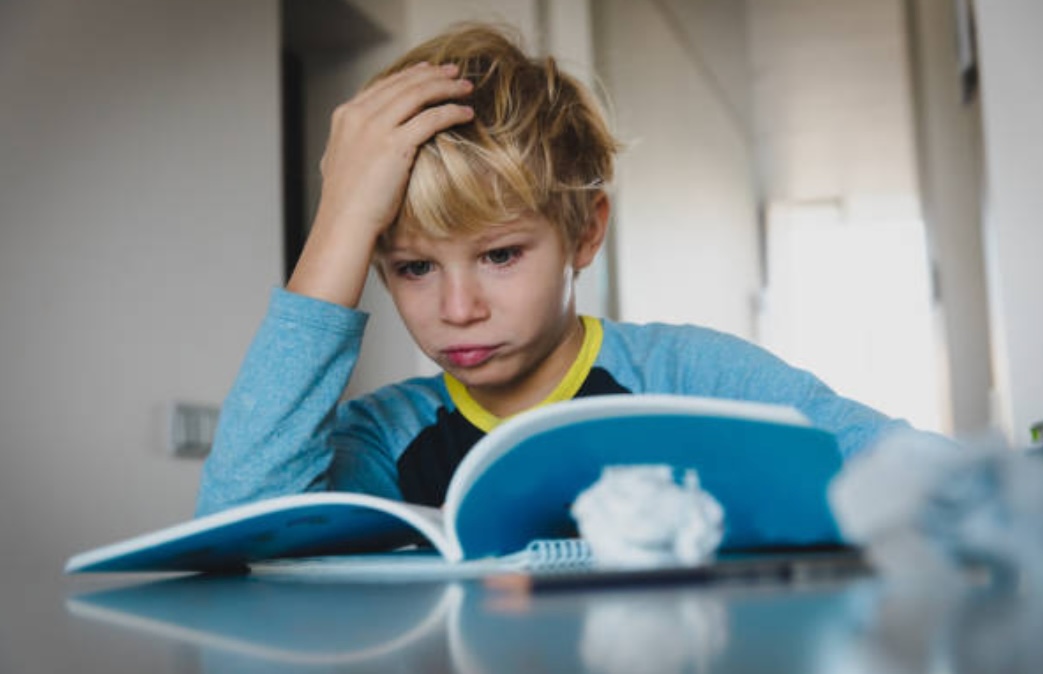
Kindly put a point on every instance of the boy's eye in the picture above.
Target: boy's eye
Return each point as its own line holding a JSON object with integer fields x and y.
{"x": 502, "y": 256}
{"x": 413, "y": 268}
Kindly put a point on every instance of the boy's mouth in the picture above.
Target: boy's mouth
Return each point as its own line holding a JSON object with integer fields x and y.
{"x": 468, "y": 355}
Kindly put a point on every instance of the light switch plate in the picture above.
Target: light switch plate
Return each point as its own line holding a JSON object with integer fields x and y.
{"x": 192, "y": 428}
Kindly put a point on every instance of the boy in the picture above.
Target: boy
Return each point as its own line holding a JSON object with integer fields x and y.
{"x": 472, "y": 177}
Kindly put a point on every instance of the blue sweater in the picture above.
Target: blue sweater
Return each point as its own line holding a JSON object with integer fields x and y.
{"x": 284, "y": 428}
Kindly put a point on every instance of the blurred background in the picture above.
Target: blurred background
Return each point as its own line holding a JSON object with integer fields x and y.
{"x": 851, "y": 183}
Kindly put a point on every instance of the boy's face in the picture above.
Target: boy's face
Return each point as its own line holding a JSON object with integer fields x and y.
{"x": 495, "y": 309}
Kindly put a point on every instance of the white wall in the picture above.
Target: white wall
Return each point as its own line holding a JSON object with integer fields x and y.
{"x": 1012, "y": 108}
{"x": 685, "y": 225}
{"x": 139, "y": 236}
{"x": 949, "y": 139}
{"x": 837, "y": 156}
{"x": 831, "y": 95}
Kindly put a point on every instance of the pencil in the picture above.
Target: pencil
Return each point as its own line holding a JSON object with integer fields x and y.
{"x": 743, "y": 571}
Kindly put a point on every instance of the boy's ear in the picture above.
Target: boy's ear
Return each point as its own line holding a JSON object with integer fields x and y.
{"x": 594, "y": 235}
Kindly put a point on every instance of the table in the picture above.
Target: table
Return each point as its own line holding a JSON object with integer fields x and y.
{"x": 181, "y": 625}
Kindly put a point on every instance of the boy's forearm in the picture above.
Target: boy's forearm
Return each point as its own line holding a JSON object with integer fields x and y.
{"x": 334, "y": 263}
{"x": 273, "y": 435}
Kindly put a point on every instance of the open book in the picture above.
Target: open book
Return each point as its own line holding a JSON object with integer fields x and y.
{"x": 766, "y": 465}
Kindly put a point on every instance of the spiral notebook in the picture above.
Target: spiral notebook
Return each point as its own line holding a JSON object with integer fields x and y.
{"x": 419, "y": 564}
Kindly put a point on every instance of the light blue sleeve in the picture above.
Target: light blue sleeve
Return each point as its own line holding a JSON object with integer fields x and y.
{"x": 273, "y": 435}
{"x": 692, "y": 360}
{"x": 757, "y": 374}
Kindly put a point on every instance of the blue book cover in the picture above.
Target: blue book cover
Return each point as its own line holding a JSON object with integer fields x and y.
{"x": 765, "y": 464}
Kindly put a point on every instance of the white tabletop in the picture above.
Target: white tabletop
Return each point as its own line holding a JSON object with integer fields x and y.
{"x": 116, "y": 624}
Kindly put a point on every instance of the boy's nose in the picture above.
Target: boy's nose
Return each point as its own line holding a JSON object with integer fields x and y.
{"x": 462, "y": 300}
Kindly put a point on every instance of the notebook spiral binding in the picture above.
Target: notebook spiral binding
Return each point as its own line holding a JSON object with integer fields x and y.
{"x": 560, "y": 553}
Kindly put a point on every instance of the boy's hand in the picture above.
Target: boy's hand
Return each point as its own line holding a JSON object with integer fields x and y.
{"x": 373, "y": 142}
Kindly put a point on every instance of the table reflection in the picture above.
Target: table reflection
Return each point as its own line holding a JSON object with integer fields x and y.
{"x": 862, "y": 625}
{"x": 249, "y": 624}
{"x": 692, "y": 630}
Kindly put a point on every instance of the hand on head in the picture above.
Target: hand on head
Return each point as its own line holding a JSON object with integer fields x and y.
{"x": 372, "y": 145}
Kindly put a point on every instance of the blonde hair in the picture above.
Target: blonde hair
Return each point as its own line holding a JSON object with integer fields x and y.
{"x": 538, "y": 143}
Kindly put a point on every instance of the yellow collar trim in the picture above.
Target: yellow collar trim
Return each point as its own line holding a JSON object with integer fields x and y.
{"x": 566, "y": 389}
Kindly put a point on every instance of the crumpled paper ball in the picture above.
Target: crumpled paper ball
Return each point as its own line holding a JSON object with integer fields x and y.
{"x": 924, "y": 506}
{"x": 642, "y": 516}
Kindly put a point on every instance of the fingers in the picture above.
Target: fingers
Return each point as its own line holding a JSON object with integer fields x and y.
{"x": 374, "y": 139}
{"x": 425, "y": 124}
{"x": 399, "y": 97}
{"x": 404, "y": 109}
{"x": 422, "y": 126}
{"x": 379, "y": 89}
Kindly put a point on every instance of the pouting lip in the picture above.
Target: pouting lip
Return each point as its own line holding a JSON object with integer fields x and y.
{"x": 469, "y": 355}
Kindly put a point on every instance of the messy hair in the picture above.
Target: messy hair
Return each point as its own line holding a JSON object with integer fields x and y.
{"x": 538, "y": 143}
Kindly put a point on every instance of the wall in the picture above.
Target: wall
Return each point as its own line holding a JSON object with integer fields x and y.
{"x": 949, "y": 142}
{"x": 831, "y": 95}
{"x": 848, "y": 293}
{"x": 1010, "y": 52}
{"x": 685, "y": 215}
{"x": 139, "y": 236}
